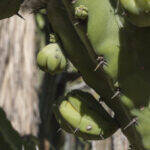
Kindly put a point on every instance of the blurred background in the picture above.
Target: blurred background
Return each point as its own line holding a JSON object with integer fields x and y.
{"x": 27, "y": 94}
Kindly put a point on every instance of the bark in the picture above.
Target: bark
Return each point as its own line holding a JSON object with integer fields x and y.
{"x": 18, "y": 95}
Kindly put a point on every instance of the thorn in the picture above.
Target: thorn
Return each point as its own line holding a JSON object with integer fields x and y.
{"x": 101, "y": 136}
{"x": 20, "y": 16}
{"x": 73, "y": 1}
{"x": 99, "y": 64}
{"x": 117, "y": 93}
{"x": 134, "y": 121}
{"x": 59, "y": 130}
{"x": 117, "y": 7}
{"x": 101, "y": 61}
{"x": 77, "y": 129}
{"x": 77, "y": 23}
{"x": 89, "y": 127}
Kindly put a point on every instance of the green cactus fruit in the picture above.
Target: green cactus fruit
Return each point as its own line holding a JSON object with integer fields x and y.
{"x": 138, "y": 12}
{"x": 81, "y": 114}
{"x": 9, "y": 8}
{"x": 51, "y": 59}
{"x": 81, "y": 12}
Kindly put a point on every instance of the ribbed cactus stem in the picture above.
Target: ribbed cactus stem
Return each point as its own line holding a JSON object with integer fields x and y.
{"x": 76, "y": 51}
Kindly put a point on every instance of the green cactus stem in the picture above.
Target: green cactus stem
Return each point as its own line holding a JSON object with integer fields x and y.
{"x": 84, "y": 60}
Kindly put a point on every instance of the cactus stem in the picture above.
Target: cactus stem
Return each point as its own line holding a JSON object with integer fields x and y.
{"x": 134, "y": 121}
{"x": 117, "y": 93}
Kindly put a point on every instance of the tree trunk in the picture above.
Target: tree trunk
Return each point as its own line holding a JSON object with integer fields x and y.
{"x": 18, "y": 95}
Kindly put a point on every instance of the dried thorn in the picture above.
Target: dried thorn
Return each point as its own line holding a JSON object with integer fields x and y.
{"x": 101, "y": 61}
{"x": 60, "y": 129}
{"x": 101, "y": 136}
{"x": 117, "y": 93}
{"x": 99, "y": 64}
{"x": 20, "y": 16}
{"x": 117, "y": 7}
{"x": 77, "y": 23}
{"x": 73, "y": 1}
{"x": 77, "y": 129}
{"x": 89, "y": 127}
{"x": 134, "y": 121}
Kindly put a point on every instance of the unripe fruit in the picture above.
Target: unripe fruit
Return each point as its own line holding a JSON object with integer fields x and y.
{"x": 81, "y": 114}
{"x": 51, "y": 59}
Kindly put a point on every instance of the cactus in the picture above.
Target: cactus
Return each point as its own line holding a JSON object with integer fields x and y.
{"x": 79, "y": 113}
{"x": 9, "y": 8}
{"x": 108, "y": 42}
{"x": 107, "y": 49}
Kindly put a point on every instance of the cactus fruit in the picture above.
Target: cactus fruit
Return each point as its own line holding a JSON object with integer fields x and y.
{"x": 9, "y": 8}
{"x": 51, "y": 59}
{"x": 79, "y": 113}
{"x": 138, "y": 12}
